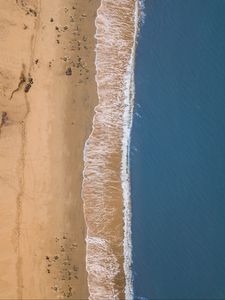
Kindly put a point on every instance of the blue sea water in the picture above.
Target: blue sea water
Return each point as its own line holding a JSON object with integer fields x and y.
{"x": 178, "y": 152}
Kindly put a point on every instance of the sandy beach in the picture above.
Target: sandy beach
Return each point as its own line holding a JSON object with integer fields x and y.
{"x": 47, "y": 100}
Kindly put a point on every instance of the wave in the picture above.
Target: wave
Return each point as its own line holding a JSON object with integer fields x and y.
{"x": 106, "y": 180}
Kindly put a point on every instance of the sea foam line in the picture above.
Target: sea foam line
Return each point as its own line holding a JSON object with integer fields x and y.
{"x": 129, "y": 93}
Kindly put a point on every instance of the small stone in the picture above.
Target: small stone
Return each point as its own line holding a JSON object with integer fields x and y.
{"x": 32, "y": 11}
{"x": 69, "y": 71}
{"x": 30, "y": 79}
{"x": 51, "y": 20}
{"x": 27, "y": 87}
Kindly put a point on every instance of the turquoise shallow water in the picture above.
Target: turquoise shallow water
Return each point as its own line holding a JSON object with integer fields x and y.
{"x": 178, "y": 152}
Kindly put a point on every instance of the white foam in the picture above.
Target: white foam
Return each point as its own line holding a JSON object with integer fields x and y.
{"x": 143, "y": 14}
{"x": 129, "y": 93}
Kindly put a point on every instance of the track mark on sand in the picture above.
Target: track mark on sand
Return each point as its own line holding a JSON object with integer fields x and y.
{"x": 22, "y": 80}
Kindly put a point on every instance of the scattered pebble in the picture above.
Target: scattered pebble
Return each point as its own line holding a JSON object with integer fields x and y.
{"x": 30, "y": 79}
{"x": 27, "y": 87}
{"x": 32, "y": 12}
{"x": 68, "y": 71}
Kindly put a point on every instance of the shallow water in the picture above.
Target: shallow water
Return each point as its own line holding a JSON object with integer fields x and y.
{"x": 105, "y": 190}
{"x": 178, "y": 152}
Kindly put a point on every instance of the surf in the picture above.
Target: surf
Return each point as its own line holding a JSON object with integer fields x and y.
{"x": 106, "y": 178}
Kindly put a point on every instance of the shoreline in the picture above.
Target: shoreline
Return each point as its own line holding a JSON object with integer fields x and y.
{"x": 48, "y": 95}
{"x": 125, "y": 164}
{"x": 108, "y": 202}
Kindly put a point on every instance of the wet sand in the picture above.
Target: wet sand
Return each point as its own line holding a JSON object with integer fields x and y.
{"x": 106, "y": 187}
{"x": 47, "y": 97}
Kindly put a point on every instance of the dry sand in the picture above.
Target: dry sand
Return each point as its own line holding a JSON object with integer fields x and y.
{"x": 47, "y": 96}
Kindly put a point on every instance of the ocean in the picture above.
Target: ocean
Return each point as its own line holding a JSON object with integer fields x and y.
{"x": 177, "y": 152}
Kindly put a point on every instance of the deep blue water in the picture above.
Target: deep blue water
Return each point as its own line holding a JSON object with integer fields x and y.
{"x": 178, "y": 152}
